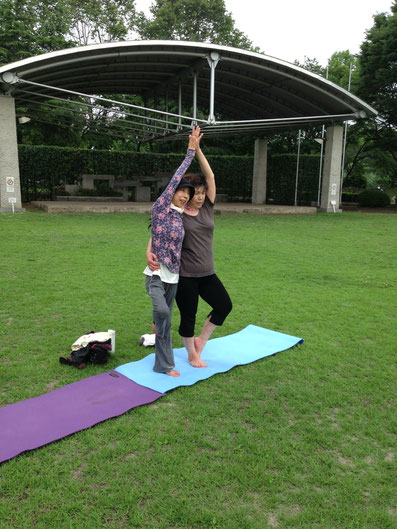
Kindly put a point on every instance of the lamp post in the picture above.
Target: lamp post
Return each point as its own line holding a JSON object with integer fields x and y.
{"x": 297, "y": 168}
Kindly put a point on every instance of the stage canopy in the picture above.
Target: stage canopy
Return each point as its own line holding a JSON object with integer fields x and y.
{"x": 227, "y": 91}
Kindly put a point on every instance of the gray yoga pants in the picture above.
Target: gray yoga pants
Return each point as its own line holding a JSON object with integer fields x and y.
{"x": 162, "y": 296}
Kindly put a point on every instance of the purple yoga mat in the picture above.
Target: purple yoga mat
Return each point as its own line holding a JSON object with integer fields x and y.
{"x": 35, "y": 422}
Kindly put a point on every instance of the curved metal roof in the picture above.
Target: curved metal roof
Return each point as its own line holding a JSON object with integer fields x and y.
{"x": 239, "y": 91}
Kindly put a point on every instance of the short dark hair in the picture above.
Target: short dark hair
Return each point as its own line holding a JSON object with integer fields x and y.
{"x": 196, "y": 179}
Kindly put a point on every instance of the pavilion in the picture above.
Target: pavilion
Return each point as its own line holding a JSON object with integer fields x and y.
{"x": 238, "y": 92}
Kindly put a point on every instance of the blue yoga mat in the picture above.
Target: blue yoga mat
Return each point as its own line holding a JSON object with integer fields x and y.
{"x": 220, "y": 355}
{"x": 35, "y": 422}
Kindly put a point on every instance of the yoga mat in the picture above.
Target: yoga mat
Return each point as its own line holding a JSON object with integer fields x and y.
{"x": 220, "y": 355}
{"x": 35, "y": 422}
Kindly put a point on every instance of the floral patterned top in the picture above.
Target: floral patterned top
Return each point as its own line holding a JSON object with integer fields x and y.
{"x": 167, "y": 226}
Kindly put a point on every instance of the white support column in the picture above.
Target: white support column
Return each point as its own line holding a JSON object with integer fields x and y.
{"x": 10, "y": 186}
{"x": 330, "y": 189}
{"x": 260, "y": 172}
{"x": 166, "y": 108}
{"x": 180, "y": 104}
{"x": 195, "y": 76}
{"x": 213, "y": 59}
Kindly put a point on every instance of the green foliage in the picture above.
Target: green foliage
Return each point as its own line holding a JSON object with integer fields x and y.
{"x": 233, "y": 176}
{"x": 373, "y": 198}
{"x": 193, "y": 20}
{"x": 349, "y": 196}
{"x": 339, "y": 66}
{"x": 377, "y": 86}
{"x": 371, "y": 145}
{"x": 43, "y": 167}
{"x": 99, "y": 20}
{"x": 31, "y": 27}
{"x": 356, "y": 178}
{"x": 281, "y": 179}
{"x": 312, "y": 65}
{"x": 337, "y": 70}
{"x": 378, "y": 66}
{"x": 50, "y": 126}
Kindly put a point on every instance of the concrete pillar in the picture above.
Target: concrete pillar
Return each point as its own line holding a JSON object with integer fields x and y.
{"x": 10, "y": 185}
{"x": 330, "y": 188}
{"x": 260, "y": 172}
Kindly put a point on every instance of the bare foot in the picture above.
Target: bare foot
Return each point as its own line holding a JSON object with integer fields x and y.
{"x": 198, "y": 345}
{"x": 173, "y": 373}
{"x": 195, "y": 361}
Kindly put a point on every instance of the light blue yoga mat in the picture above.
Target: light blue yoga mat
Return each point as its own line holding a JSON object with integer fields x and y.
{"x": 220, "y": 355}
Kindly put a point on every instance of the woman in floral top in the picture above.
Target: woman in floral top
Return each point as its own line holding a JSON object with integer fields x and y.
{"x": 167, "y": 237}
{"x": 197, "y": 277}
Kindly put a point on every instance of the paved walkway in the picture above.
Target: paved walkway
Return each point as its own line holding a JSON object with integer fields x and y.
{"x": 59, "y": 206}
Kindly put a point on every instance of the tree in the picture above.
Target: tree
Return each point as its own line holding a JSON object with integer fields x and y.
{"x": 193, "y": 20}
{"x": 342, "y": 67}
{"x": 312, "y": 65}
{"x": 377, "y": 85}
{"x": 378, "y": 66}
{"x": 30, "y": 27}
{"x": 93, "y": 21}
{"x": 337, "y": 69}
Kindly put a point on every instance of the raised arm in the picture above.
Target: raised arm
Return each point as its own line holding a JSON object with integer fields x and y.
{"x": 164, "y": 201}
{"x": 208, "y": 174}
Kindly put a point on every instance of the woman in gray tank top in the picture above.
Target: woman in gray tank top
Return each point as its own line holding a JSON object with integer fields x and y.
{"x": 197, "y": 277}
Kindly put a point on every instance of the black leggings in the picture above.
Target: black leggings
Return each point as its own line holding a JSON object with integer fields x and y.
{"x": 211, "y": 290}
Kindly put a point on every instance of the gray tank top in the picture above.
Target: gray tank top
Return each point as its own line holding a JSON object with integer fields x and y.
{"x": 197, "y": 249}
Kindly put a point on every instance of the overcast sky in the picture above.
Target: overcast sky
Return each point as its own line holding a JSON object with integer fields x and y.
{"x": 293, "y": 29}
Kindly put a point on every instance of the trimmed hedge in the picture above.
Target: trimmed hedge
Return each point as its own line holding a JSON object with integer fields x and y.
{"x": 43, "y": 168}
{"x": 281, "y": 180}
{"x": 373, "y": 198}
{"x": 349, "y": 197}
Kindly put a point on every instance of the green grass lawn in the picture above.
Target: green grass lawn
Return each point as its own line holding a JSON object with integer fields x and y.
{"x": 304, "y": 439}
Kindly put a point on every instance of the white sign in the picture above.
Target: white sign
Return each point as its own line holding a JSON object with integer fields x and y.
{"x": 10, "y": 189}
{"x": 10, "y": 180}
{"x": 12, "y": 200}
{"x": 333, "y": 189}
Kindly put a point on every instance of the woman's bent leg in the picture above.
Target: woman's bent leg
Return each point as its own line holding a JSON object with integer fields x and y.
{"x": 215, "y": 294}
